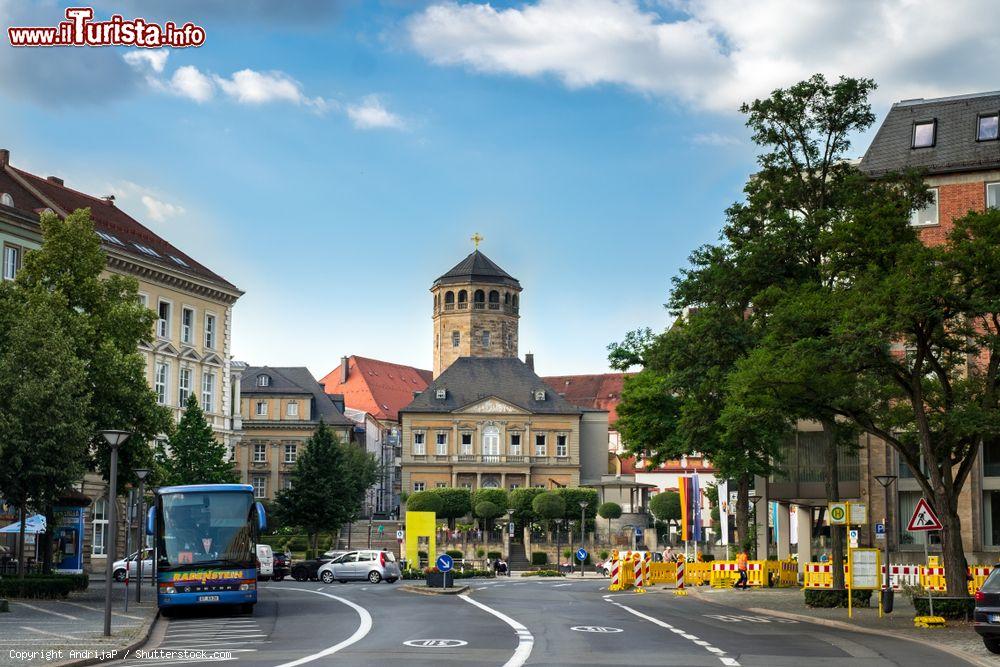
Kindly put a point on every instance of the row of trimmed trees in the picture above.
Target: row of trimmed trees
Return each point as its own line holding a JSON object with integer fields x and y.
{"x": 820, "y": 301}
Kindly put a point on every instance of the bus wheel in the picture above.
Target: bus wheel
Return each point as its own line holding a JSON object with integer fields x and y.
{"x": 246, "y": 608}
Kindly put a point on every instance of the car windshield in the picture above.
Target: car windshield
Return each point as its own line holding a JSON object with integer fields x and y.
{"x": 992, "y": 583}
{"x": 207, "y": 528}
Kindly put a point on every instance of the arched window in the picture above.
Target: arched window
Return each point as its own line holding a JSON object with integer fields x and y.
{"x": 494, "y": 296}
{"x": 456, "y": 338}
{"x": 506, "y": 298}
{"x": 491, "y": 441}
{"x": 6, "y": 199}
{"x": 514, "y": 299}
{"x": 480, "y": 296}
{"x": 463, "y": 296}
{"x": 449, "y": 298}
{"x": 263, "y": 380}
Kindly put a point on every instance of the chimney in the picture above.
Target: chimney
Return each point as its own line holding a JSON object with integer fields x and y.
{"x": 55, "y": 179}
{"x": 322, "y": 385}
{"x": 109, "y": 199}
{"x": 4, "y": 157}
{"x": 344, "y": 369}
{"x": 529, "y": 359}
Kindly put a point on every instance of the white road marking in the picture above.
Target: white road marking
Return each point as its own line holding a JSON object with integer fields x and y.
{"x": 50, "y": 634}
{"x": 115, "y": 613}
{"x": 49, "y": 611}
{"x": 558, "y": 585}
{"x": 729, "y": 662}
{"x": 363, "y": 629}
{"x": 525, "y": 640}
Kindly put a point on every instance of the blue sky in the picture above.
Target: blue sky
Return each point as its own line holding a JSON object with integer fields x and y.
{"x": 333, "y": 158}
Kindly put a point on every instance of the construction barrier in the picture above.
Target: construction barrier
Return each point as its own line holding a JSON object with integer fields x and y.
{"x": 932, "y": 579}
{"x": 979, "y": 573}
{"x": 724, "y": 574}
{"x": 637, "y": 567}
{"x": 788, "y": 573}
{"x": 820, "y": 575}
{"x": 697, "y": 574}
{"x": 681, "y": 574}
{"x": 663, "y": 573}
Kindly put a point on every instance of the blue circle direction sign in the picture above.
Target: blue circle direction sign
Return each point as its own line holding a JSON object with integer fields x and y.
{"x": 581, "y": 554}
{"x": 445, "y": 563}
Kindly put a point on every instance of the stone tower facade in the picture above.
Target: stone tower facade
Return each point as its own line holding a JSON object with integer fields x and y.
{"x": 475, "y": 312}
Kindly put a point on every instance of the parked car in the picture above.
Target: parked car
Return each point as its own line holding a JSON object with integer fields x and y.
{"x": 265, "y": 562}
{"x": 282, "y": 565}
{"x": 131, "y": 564}
{"x": 307, "y": 570}
{"x": 986, "y": 618}
{"x": 371, "y": 564}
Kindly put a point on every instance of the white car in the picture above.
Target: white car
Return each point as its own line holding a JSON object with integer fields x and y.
{"x": 265, "y": 562}
{"x": 131, "y": 564}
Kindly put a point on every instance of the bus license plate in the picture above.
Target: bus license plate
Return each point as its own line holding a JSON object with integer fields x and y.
{"x": 993, "y": 618}
{"x": 208, "y": 598}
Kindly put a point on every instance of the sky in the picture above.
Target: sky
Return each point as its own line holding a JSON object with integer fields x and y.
{"x": 332, "y": 158}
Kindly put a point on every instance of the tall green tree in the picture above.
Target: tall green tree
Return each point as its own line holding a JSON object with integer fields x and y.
{"x": 195, "y": 456}
{"x": 455, "y": 503}
{"x": 329, "y": 482}
{"x": 44, "y": 401}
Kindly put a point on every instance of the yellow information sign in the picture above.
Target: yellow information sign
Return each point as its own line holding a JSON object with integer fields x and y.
{"x": 838, "y": 514}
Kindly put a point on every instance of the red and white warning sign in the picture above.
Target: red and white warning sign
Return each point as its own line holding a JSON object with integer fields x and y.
{"x": 923, "y": 518}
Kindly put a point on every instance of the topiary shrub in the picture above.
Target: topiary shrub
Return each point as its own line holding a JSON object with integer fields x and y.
{"x": 493, "y": 555}
{"x": 539, "y": 558}
{"x": 835, "y": 597}
{"x": 946, "y": 607}
{"x": 455, "y": 554}
{"x": 480, "y": 552}
{"x": 542, "y": 573}
{"x": 39, "y": 587}
{"x": 604, "y": 554}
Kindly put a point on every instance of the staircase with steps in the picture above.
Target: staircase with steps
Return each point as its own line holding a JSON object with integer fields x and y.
{"x": 358, "y": 532}
{"x": 519, "y": 560}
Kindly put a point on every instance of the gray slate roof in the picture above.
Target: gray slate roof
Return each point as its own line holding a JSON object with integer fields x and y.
{"x": 472, "y": 379}
{"x": 955, "y": 149}
{"x": 294, "y": 380}
{"x": 478, "y": 268}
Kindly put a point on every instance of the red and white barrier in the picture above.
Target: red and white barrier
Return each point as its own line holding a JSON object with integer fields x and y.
{"x": 680, "y": 574}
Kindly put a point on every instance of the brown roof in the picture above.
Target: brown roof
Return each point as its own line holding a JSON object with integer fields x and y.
{"x": 124, "y": 233}
{"x": 601, "y": 392}
{"x": 380, "y": 388}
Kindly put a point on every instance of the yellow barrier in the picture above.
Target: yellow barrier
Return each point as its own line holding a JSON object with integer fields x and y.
{"x": 663, "y": 573}
{"x": 697, "y": 574}
{"x": 931, "y": 578}
{"x": 724, "y": 574}
{"x": 979, "y": 574}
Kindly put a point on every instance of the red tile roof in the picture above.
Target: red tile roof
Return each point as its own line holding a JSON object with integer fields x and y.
{"x": 601, "y": 391}
{"x": 380, "y": 388}
{"x": 34, "y": 194}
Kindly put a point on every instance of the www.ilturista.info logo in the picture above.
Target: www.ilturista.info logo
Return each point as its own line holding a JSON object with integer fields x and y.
{"x": 79, "y": 29}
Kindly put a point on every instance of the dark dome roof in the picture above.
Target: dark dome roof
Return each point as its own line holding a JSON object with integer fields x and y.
{"x": 477, "y": 268}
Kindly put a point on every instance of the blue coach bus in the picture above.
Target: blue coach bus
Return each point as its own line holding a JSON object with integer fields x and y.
{"x": 206, "y": 543}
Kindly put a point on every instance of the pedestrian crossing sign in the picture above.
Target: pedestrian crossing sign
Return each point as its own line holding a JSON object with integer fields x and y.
{"x": 923, "y": 518}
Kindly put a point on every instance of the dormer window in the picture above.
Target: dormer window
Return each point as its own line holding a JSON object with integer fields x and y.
{"x": 539, "y": 394}
{"x": 6, "y": 199}
{"x": 441, "y": 394}
{"x": 988, "y": 127}
{"x": 263, "y": 380}
{"x": 924, "y": 134}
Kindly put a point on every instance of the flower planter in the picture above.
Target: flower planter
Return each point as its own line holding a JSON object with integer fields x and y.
{"x": 436, "y": 579}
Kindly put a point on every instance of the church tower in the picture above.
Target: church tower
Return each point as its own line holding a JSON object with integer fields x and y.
{"x": 475, "y": 311}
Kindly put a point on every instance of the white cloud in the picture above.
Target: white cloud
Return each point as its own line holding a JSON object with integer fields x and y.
{"x": 160, "y": 210}
{"x": 188, "y": 81}
{"x": 371, "y": 114}
{"x": 154, "y": 59}
{"x": 715, "y": 54}
{"x": 714, "y": 139}
{"x": 251, "y": 87}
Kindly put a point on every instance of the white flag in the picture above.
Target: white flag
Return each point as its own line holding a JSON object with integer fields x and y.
{"x": 724, "y": 510}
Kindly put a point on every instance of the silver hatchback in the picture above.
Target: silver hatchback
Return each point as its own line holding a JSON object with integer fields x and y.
{"x": 373, "y": 565}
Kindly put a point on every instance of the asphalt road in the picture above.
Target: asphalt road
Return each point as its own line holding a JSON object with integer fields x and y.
{"x": 511, "y": 623}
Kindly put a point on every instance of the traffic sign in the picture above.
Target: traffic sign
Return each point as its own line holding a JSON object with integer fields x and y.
{"x": 510, "y": 528}
{"x": 399, "y": 534}
{"x": 923, "y": 518}
{"x": 445, "y": 563}
{"x": 879, "y": 531}
{"x": 638, "y": 532}
{"x": 838, "y": 514}
{"x": 581, "y": 554}
{"x": 853, "y": 536}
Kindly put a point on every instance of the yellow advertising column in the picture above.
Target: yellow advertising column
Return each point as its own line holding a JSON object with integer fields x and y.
{"x": 420, "y": 524}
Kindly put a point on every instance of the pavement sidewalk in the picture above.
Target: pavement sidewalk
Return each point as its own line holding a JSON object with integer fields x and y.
{"x": 958, "y": 637}
{"x": 56, "y": 632}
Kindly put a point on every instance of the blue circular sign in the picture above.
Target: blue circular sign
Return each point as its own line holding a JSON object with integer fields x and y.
{"x": 444, "y": 562}
{"x": 581, "y": 554}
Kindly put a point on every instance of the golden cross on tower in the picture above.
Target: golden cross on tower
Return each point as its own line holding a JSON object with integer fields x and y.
{"x": 476, "y": 238}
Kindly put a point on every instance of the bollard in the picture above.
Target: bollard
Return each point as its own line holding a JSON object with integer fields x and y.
{"x": 646, "y": 561}
{"x": 615, "y": 576}
{"x": 679, "y": 590}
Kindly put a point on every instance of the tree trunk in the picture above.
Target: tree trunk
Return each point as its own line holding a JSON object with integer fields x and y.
{"x": 956, "y": 567}
{"x": 743, "y": 512}
{"x": 20, "y": 542}
{"x": 833, "y": 495}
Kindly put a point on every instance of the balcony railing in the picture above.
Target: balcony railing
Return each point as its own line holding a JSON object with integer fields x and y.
{"x": 491, "y": 458}
{"x": 466, "y": 458}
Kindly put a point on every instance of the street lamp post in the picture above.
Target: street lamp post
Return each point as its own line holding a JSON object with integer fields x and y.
{"x": 510, "y": 534}
{"x": 114, "y": 439}
{"x": 886, "y": 481}
{"x": 558, "y": 544}
{"x": 754, "y": 499}
{"x": 583, "y": 529}
{"x": 142, "y": 474}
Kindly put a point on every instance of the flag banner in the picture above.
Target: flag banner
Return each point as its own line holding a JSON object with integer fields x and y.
{"x": 696, "y": 508}
{"x": 724, "y": 510}
{"x": 683, "y": 486}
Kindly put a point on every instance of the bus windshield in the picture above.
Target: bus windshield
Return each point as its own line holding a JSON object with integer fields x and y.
{"x": 207, "y": 528}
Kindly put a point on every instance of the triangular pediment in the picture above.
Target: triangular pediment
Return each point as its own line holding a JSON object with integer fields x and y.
{"x": 212, "y": 359}
{"x": 166, "y": 348}
{"x": 190, "y": 353}
{"x": 492, "y": 406}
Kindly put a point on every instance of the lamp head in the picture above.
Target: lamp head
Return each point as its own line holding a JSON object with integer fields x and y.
{"x": 885, "y": 480}
{"x": 115, "y": 437}
{"x": 142, "y": 473}
{"x": 755, "y": 498}
{"x": 584, "y": 504}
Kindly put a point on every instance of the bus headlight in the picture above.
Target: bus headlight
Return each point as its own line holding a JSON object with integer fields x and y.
{"x": 169, "y": 590}
{"x": 247, "y": 587}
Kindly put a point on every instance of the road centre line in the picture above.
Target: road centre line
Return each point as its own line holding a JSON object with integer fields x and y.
{"x": 729, "y": 662}
{"x": 525, "y": 640}
{"x": 363, "y": 629}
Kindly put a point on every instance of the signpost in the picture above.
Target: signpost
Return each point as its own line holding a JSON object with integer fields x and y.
{"x": 879, "y": 531}
{"x": 853, "y": 535}
{"x": 581, "y": 555}
{"x": 863, "y": 573}
{"x": 444, "y": 564}
{"x": 838, "y": 514}
{"x": 924, "y": 519}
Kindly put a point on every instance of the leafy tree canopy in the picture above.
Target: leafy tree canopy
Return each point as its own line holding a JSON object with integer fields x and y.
{"x": 424, "y": 501}
{"x": 666, "y": 506}
{"x": 195, "y": 456}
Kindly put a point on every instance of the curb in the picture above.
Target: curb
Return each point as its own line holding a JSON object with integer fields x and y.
{"x": 426, "y": 590}
{"x": 840, "y": 625}
{"x": 140, "y": 640}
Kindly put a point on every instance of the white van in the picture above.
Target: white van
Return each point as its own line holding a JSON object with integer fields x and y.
{"x": 265, "y": 562}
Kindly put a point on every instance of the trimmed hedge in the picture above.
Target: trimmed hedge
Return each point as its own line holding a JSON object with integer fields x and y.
{"x": 455, "y": 553}
{"x": 542, "y": 573}
{"x": 412, "y": 573}
{"x": 832, "y": 597}
{"x": 79, "y": 582}
{"x": 493, "y": 555}
{"x": 539, "y": 558}
{"x": 41, "y": 587}
{"x": 946, "y": 607}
